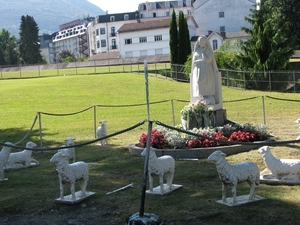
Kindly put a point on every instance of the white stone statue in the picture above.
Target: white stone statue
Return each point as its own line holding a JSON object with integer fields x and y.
{"x": 4, "y": 155}
{"x": 23, "y": 159}
{"x": 232, "y": 174}
{"x": 102, "y": 132}
{"x": 71, "y": 150}
{"x": 281, "y": 169}
{"x": 298, "y": 122}
{"x": 160, "y": 166}
{"x": 205, "y": 80}
{"x": 69, "y": 173}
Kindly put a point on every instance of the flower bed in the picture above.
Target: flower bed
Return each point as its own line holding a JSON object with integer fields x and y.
{"x": 182, "y": 145}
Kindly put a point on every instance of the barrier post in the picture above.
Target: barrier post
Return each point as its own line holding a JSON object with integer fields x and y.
{"x": 40, "y": 127}
{"x": 95, "y": 121}
{"x": 264, "y": 110}
{"x": 173, "y": 115}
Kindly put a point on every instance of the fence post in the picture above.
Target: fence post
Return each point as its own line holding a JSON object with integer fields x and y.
{"x": 39, "y": 70}
{"x": 76, "y": 67}
{"x": 244, "y": 80}
{"x": 270, "y": 81}
{"x": 95, "y": 119}
{"x": 294, "y": 79}
{"x": 57, "y": 68}
{"x": 20, "y": 71}
{"x": 41, "y": 131}
{"x": 95, "y": 66}
{"x": 263, "y": 109}
{"x": 173, "y": 115}
{"x": 108, "y": 66}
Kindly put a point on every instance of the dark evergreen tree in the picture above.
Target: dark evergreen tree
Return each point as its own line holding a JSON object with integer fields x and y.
{"x": 173, "y": 32}
{"x": 29, "y": 41}
{"x": 8, "y": 54}
{"x": 184, "y": 45}
{"x": 267, "y": 48}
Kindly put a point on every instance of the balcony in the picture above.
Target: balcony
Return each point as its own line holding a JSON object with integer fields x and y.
{"x": 113, "y": 34}
{"x": 114, "y": 47}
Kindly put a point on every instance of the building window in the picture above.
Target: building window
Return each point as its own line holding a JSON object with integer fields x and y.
{"x": 167, "y": 4}
{"x": 221, "y": 15}
{"x": 113, "y": 44}
{"x": 154, "y": 14}
{"x": 143, "y": 39}
{"x": 112, "y": 19}
{"x": 103, "y": 43}
{"x": 113, "y": 31}
{"x": 180, "y": 3}
{"x": 102, "y": 30}
{"x": 128, "y": 41}
{"x": 158, "y": 38}
{"x": 98, "y": 44}
{"x": 215, "y": 44}
{"x": 222, "y": 29}
{"x": 167, "y": 13}
{"x": 126, "y": 17}
{"x": 97, "y": 32}
{"x": 141, "y": 15}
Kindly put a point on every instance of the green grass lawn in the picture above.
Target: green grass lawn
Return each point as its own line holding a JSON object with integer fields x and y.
{"x": 33, "y": 190}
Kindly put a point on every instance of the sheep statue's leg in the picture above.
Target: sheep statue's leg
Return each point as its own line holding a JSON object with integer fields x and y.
{"x": 252, "y": 191}
{"x": 150, "y": 182}
{"x": 161, "y": 182}
{"x": 61, "y": 189}
{"x": 233, "y": 190}
{"x": 73, "y": 191}
{"x": 224, "y": 190}
{"x": 170, "y": 178}
{"x": 83, "y": 187}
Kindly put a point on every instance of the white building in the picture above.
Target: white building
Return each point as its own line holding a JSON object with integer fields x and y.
{"x": 72, "y": 37}
{"x": 221, "y": 15}
{"x": 165, "y": 8}
{"x": 147, "y": 37}
{"x": 103, "y": 36}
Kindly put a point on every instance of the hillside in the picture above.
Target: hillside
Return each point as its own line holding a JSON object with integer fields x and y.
{"x": 47, "y": 14}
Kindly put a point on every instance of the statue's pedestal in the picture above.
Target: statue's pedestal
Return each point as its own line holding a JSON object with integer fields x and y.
{"x": 241, "y": 200}
{"x": 218, "y": 119}
{"x": 156, "y": 190}
{"x": 68, "y": 198}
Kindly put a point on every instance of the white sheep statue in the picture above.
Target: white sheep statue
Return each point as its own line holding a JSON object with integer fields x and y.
{"x": 69, "y": 173}
{"x": 282, "y": 169}
{"x": 102, "y": 132}
{"x": 4, "y": 155}
{"x": 21, "y": 159}
{"x": 71, "y": 150}
{"x": 160, "y": 166}
{"x": 298, "y": 122}
{"x": 232, "y": 174}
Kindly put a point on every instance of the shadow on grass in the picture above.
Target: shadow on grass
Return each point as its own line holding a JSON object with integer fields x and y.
{"x": 33, "y": 190}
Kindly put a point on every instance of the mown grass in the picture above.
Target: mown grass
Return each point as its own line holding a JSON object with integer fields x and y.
{"x": 33, "y": 190}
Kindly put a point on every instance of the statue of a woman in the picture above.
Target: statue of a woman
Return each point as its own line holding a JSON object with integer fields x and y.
{"x": 204, "y": 73}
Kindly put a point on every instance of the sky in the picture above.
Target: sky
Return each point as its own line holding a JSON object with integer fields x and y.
{"x": 117, "y": 6}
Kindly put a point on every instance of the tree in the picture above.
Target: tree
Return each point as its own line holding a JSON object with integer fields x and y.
{"x": 173, "y": 43}
{"x": 65, "y": 56}
{"x": 184, "y": 45}
{"x": 268, "y": 47}
{"x": 8, "y": 52}
{"x": 29, "y": 41}
{"x": 227, "y": 55}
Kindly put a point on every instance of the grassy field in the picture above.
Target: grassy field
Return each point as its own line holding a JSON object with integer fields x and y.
{"x": 33, "y": 190}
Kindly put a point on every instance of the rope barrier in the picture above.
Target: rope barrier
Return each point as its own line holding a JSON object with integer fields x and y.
{"x": 282, "y": 99}
{"x": 139, "y": 104}
{"x": 78, "y": 145}
{"x": 271, "y": 143}
{"x": 244, "y": 99}
{"x": 66, "y": 114}
{"x": 35, "y": 119}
